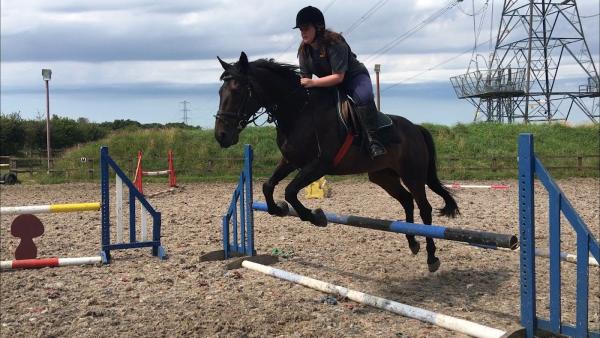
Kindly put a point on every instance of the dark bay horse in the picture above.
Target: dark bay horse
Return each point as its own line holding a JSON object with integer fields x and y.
{"x": 309, "y": 137}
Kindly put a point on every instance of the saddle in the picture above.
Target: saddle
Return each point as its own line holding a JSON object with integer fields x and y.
{"x": 355, "y": 130}
{"x": 351, "y": 120}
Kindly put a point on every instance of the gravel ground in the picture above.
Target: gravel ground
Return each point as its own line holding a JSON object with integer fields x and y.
{"x": 138, "y": 295}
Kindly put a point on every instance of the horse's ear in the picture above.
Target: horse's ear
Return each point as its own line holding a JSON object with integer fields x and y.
{"x": 224, "y": 64}
{"x": 243, "y": 63}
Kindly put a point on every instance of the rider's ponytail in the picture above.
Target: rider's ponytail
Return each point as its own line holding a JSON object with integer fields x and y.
{"x": 324, "y": 38}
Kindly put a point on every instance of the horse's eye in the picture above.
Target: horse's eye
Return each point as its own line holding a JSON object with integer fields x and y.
{"x": 234, "y": 85}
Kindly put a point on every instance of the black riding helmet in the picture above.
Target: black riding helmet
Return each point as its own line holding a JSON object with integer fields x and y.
{"x": 309, "y": 15}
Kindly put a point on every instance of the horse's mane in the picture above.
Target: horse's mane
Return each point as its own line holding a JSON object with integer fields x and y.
{"x": 266, "y": 71}
{"x": 258, "y": 67}
{"x": 284, "y": 69}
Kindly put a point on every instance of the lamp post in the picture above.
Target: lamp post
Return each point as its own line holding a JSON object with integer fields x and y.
{"x": 377, "y": 69}
{"x": 47, "y": 74}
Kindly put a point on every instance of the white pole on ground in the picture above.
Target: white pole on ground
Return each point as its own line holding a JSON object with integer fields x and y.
{"x": 447, "y": 322}
{"x": 79, "y": 261}
{"x": 26, "y": 209}
{"x": 119, "y": 208}
{"x": 564, "y": 256}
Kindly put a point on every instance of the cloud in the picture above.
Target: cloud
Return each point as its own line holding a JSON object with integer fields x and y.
{"x": 137, "y": 30}
{"x": 112, "y": 30}
{"x": 127, "y": 46}
{"x": 65, "y": 74}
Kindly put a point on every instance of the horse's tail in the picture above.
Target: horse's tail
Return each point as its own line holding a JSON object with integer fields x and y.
{"x": 451, "y": 208}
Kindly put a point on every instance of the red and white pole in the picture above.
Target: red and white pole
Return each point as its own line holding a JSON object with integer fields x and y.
{"x": 48, "y": 262}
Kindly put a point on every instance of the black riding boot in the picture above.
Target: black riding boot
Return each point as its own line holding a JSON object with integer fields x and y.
{"x": 368, "y": 115}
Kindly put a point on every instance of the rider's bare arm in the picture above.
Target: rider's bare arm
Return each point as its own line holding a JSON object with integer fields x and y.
{"x": 325, "y": 81}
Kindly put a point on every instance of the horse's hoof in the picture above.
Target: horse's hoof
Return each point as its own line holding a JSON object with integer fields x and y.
{"x": 284, "y": 208}
{"x": 433, "y": 267}
{"x": 318, "y": 218}
{"x": 281, "y": 209}
{"x": 414, "y": 248}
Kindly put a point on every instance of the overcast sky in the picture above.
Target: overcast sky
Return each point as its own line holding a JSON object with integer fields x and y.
{"x": 139, "y": 59}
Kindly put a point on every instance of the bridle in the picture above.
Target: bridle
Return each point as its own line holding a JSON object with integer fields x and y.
{"x": 244, "y": 117}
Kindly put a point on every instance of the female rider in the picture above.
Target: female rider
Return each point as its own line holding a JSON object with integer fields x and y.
{"x": 326, "y": 54}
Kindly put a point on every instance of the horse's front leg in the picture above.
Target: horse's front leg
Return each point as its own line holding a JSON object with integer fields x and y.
{"x": 283, "y": 169}
{"x": 306, "y": 176}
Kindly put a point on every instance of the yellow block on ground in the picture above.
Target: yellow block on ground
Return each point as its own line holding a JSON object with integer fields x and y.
{"x": 317, "y": 189}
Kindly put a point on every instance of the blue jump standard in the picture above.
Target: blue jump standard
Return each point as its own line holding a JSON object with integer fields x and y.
{"x": 478, "y": 238}
{"x": 106, "y": 163}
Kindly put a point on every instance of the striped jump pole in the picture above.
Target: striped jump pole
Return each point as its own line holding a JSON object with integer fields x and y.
{"x": 51, "y": 208}
{"x": 565, "y": 256}
{"x": 140, "y": 173}
{"x": 475, "y": 186}
{"x": 478, "y": 238}
{"x": 447, "y": 322}
{"x": 156, "y": 173}
{"x": 48, "y": 262}
{"x": 238, "y": 237}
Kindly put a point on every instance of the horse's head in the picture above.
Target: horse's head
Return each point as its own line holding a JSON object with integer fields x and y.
{"x": 236, "y": 105}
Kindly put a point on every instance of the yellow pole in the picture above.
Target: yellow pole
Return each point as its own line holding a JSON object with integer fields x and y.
{"x": 74, "y": 207}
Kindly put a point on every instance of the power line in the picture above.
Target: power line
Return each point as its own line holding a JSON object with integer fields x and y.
{"x": 474, "y": 13}
{"x": 328, "y": 5}
{"x": 433, "y": 67}
{"x": 477, "y": 32}
{"x": 413, "y": 30}
{"x": 364, "y": 17}
{"x": 589, "y": 16}
{"x": 286, "y": 50}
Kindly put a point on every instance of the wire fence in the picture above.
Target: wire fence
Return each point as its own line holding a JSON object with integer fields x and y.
{"x": 228, "y": 168}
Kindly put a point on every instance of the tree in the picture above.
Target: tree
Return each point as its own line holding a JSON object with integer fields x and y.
{"x": 12, "y": 133}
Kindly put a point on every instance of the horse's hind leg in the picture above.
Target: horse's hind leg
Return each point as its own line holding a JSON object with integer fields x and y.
{"x": 420, "y": 196}
{"x": 390, "y": 182}
{"x": 283, "y": 169}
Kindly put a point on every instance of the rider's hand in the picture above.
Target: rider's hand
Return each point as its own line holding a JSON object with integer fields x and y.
{"x": 306, "y": 82}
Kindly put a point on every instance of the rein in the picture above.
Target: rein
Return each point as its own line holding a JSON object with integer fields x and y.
{"x": 274, "y": 108}
{"x": 244, "y": 118}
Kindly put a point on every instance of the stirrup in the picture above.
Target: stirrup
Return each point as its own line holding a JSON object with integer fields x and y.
{"x": 376, "y": 149}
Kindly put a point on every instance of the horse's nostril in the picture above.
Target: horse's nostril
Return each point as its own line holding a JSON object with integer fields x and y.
{"x": 221, "y": 136}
